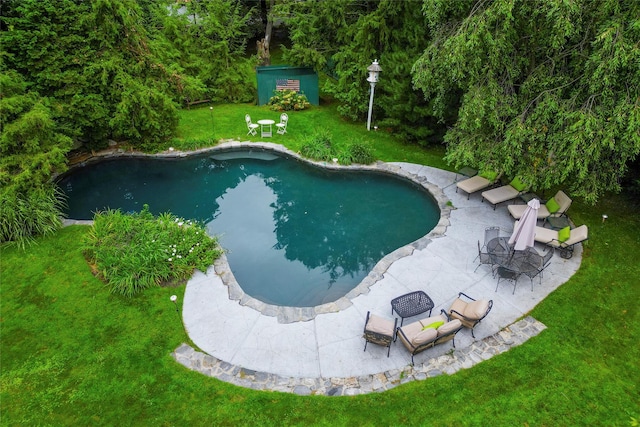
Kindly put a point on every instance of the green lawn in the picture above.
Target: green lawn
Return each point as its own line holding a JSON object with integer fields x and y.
{"x": 200, "y": 126}
{"x": 73, "y": 354}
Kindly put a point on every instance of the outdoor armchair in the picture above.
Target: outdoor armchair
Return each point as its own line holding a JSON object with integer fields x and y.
{"x": 470, "y": 311}
{"x": 556, "y": 206}
{"x": 379, "y": 331}
{"x": 426, "y": 333}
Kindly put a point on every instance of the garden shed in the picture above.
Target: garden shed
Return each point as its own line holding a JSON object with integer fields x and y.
{"x": 301, "y": 79}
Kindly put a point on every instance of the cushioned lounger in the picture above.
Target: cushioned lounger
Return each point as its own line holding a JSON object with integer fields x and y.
{"x": 474, "y": 184}
{"x": 500, "y": 194}
{"x": 550, "y": 237}
{"x": 507, "y": 192}
{"x": 562, "y": 200}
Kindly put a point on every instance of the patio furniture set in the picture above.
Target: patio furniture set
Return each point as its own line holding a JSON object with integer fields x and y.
{"x": 557, "y": 231}
{"x": 429, "y": 331}
{"x": 266, "y": 126}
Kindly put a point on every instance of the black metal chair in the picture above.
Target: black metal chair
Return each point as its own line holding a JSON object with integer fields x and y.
{"x": 541, "y": 263}
{"x": 506, "y": 274}
{"x": 379, "y": 331}
{"x": 484, "y": 259}
{"x": 470, "y": 313}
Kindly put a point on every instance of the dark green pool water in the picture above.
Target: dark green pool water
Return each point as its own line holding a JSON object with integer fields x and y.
{"x": 295, "y": 235}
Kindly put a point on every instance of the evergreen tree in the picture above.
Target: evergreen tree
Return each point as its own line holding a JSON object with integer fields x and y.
{"x": 343, "y": 37}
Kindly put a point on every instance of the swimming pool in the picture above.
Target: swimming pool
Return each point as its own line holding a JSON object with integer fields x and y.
{"x": 295, "y": 234}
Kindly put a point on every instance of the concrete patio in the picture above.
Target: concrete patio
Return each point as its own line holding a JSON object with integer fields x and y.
{"x": 330, "y": 344}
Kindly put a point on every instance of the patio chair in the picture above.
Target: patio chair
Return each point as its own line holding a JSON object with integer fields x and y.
{"x": 251, "y": 126}
{"x": 379, "y": 331}
{"x": 508, "y": 275}
{"x": 490, "y": 233}
{"x": 504, "y": 193}
{"x": 426, "y": 333}
{"x": 282, "y": 126}
{"x": 471, "y": 312}
{"x": 542, "y": 263}
{"x": 484, "y": 258}
{"x": 563, "y": 240}
{"x": 479, "y": 182}
{"x": 555, "y": 206}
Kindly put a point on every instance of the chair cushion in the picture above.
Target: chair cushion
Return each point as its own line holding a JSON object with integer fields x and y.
{"x": 379, "y": 325}
{"x": 476, "y": 309}
{"x": 425, "y": 336}
{"x": 490, "y": 175}
{"x": 434, "y": 325}
{"x": 563, "y": 234}
{"x": 552, "y": 205}
{"x": 459, "y": 306}
{"x": 517, "y": 184}
{"x": 448, "y": 327}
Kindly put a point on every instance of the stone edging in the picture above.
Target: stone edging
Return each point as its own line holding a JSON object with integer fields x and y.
{"x": 449, "y": 363}
{"x": 302, "y": 314}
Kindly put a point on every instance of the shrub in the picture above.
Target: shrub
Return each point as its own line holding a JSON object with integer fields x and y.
{"x": 356, "y": 153}
{"x": 26, "y": 214}
{"x": 318, "y": 146}
{"x": 287, "y": 100}
{"x": 132, "y": 252}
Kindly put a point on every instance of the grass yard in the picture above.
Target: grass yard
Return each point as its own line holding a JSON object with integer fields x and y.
{"x": 199, "y": 127}
{"x": 73, "y": 354}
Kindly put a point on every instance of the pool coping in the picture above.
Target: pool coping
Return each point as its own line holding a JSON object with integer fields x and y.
{"x": 288, "y": 314}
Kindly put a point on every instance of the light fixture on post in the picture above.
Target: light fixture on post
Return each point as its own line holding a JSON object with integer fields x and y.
{"x": 374, "y": 71}
{"x": 174, "y": 300}
{"x": 213, "y": 128}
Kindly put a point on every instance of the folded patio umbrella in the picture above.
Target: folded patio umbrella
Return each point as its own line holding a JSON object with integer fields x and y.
{"x": 525, "y": 230}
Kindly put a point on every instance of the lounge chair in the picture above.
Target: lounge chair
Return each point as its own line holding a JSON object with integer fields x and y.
{"x": 426, "y": 333}
{"x": 470, "y": 312}
{"x": 479, "y": 182}
{"x": 564, "y": 239}
{"x": 555, "y": 206}
{"x": 379, "y": 331}
{"x": 504, "y": 193}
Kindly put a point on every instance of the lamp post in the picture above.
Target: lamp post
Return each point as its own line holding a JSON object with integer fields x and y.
{"x": 212, "y": 123}
{"x": 374, "y": 70}
{"x": 174, "y": 300}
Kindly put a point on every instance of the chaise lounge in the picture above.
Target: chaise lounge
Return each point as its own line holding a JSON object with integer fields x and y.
{"x": 563, "y": 240}
{"x": 504, "y": 193}
{"x": 555, "y": 206}
{"x": 479, "y": 182}
{"x": 426, "y": 333}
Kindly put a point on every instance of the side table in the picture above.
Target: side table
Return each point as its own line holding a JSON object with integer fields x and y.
{"x": 557, "y": 222}
{"x": 411, "y": 304}
{"x": 467, "y": 172}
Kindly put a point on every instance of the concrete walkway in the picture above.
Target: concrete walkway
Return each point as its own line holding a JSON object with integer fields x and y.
{"x": 322, "y": 347}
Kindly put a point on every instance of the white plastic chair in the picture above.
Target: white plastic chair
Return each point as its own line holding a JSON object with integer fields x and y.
{"x": 251, "y": 126}
{"x": 282, "y": 126}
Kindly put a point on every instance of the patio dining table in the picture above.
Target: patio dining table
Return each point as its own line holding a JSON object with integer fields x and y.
{"x": 517, "y": 262}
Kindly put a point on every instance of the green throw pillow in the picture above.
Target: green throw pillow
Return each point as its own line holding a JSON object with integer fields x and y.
{"x": 489, "y": 175}
{"x": 552, "y": 205}
{"x": 434, "y": 325}
{"x": 517, "y": 184}
{"x": 564, "y": 234}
